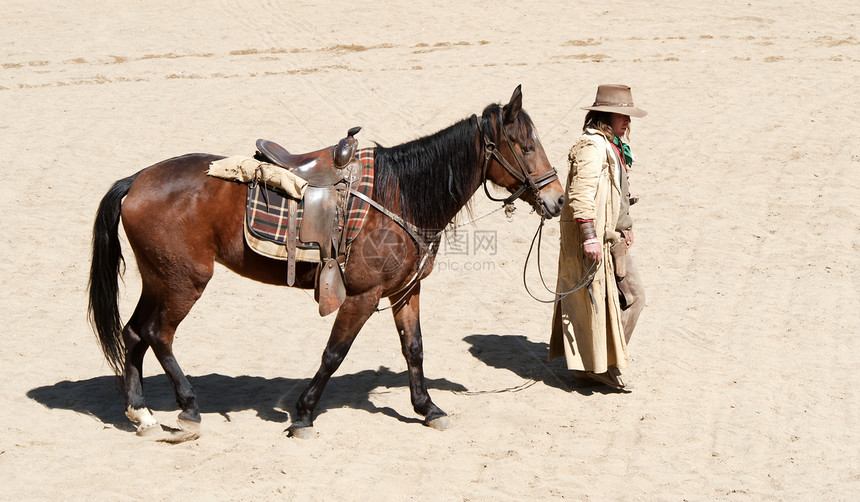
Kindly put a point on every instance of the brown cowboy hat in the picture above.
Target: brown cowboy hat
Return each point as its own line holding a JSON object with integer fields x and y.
{"x": 615, "y": 98}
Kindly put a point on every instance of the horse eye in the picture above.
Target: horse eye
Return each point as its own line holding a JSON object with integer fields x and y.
{"x": 528, "y": 148}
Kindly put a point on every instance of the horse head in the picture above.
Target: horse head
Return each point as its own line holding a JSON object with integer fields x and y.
{"x": 515, "y": 159}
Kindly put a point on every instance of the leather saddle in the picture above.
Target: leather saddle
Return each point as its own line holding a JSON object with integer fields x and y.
{"x": 330, "y": 172}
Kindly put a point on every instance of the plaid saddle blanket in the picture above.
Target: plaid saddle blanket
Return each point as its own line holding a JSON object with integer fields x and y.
{"x": 267, "y": 216}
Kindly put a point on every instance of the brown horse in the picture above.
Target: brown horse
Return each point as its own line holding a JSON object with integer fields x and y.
{"x": 179, "y": 222}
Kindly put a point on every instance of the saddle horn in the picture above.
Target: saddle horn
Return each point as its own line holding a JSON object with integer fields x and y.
{"x": 345, "y": 149}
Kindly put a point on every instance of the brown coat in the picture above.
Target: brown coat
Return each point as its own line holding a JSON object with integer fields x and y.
{"x": 586, "y": 326}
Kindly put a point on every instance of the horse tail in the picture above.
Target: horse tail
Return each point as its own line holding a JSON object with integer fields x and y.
{"x": 107, "y": 266}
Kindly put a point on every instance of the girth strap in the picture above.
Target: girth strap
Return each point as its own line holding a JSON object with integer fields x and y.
{"x": 415, "y": 233}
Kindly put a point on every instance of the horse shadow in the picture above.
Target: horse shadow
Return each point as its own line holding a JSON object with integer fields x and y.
{"x": 528, "y": 360}
{"x": 98, "y": 397}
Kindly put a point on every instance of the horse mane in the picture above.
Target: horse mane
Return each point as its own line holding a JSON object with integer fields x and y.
{"x": 432, "y": 178}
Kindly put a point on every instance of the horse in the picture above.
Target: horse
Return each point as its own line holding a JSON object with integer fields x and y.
{"x": 179, "y": 222}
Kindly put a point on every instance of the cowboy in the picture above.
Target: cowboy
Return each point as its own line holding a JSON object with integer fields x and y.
{"x": 591, "y": 327}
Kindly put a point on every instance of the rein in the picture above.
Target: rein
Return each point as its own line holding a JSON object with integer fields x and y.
{"x": 584, "y": 282}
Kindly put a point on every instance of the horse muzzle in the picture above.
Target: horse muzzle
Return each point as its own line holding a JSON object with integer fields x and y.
{"x": 550, "y": 205}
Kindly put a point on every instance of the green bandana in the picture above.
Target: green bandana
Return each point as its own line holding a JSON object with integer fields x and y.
{"x": 625, "y": 149}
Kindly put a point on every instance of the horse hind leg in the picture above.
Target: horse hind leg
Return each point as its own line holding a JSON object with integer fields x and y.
{"x": 162, "y": 345}
{"x": 135, "y": 350}
{"x": 158, "y": 331}
{"x": 136, "y": 409}
{"x": 139, "y": 334}
{"x": 141, "y": 331}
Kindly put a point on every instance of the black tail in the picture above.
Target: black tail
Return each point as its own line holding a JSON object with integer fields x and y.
{"x": 107, "y": 267}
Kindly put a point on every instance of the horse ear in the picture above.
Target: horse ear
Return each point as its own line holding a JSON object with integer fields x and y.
{"x": 514, "y": 106}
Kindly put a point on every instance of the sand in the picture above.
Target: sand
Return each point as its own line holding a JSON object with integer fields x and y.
{"x": 745, "y": 360}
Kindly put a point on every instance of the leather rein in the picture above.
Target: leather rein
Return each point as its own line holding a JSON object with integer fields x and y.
{"x": 584, "y": 282}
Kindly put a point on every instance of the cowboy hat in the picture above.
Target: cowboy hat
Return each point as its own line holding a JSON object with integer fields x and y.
{"x": 615, "y": 99}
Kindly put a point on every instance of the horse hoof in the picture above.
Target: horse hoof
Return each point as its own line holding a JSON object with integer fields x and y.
{"x": 440, "y": 424}
{"x": 301, "y": 432}
{"x": 146, "y": 423}
{"x": 148, "y": 430}
{"x": 179, "y": 436}
{"x": 188, "y": 430}
{"x": 190, "y": 426}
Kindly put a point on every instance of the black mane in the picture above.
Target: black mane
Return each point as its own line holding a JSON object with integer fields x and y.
{"x": 437, "y": 175}
{"x": 434, "y": 175}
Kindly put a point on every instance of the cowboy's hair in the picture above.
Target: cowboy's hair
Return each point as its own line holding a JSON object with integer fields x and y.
{"x": 600, "y": 120}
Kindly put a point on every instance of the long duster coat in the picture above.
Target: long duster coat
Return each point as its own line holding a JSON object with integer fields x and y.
{"x": 586, "y": 325}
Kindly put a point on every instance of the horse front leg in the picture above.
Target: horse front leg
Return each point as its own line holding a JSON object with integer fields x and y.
{"x": 351, "y": 316}
{"x": 409, "y": 329}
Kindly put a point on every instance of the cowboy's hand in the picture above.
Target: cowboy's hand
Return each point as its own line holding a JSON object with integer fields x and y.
{"x": 628, "y": 236}
{"x": 593, "y": 250}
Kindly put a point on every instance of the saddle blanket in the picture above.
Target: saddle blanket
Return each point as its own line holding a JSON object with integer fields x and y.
{"x": 267, "y": 216}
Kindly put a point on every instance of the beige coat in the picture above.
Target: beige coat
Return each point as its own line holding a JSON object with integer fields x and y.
{"x": 586, "y": 326}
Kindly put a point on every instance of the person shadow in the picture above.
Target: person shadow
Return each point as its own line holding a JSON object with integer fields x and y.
{"x": 528, "y": 360}
{"x": 99, "y": 397}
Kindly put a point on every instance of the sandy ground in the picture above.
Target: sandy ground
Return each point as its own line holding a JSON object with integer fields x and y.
{"x": 746, "y": 359}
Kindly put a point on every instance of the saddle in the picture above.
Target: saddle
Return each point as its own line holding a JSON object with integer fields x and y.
{"x": 330, "y": 172}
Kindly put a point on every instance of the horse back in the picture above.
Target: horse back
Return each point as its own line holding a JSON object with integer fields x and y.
{"x": 180, "y": 220}
{"x": 175, "y": 205}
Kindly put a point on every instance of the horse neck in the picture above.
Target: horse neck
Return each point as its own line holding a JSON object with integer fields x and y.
{"x": 430, "y": 180}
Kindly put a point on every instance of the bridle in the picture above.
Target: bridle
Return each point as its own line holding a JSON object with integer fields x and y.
{"x": 522, "y": 175}
{"x": 535, "y": 184}
{"x": 527, "y": 181}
